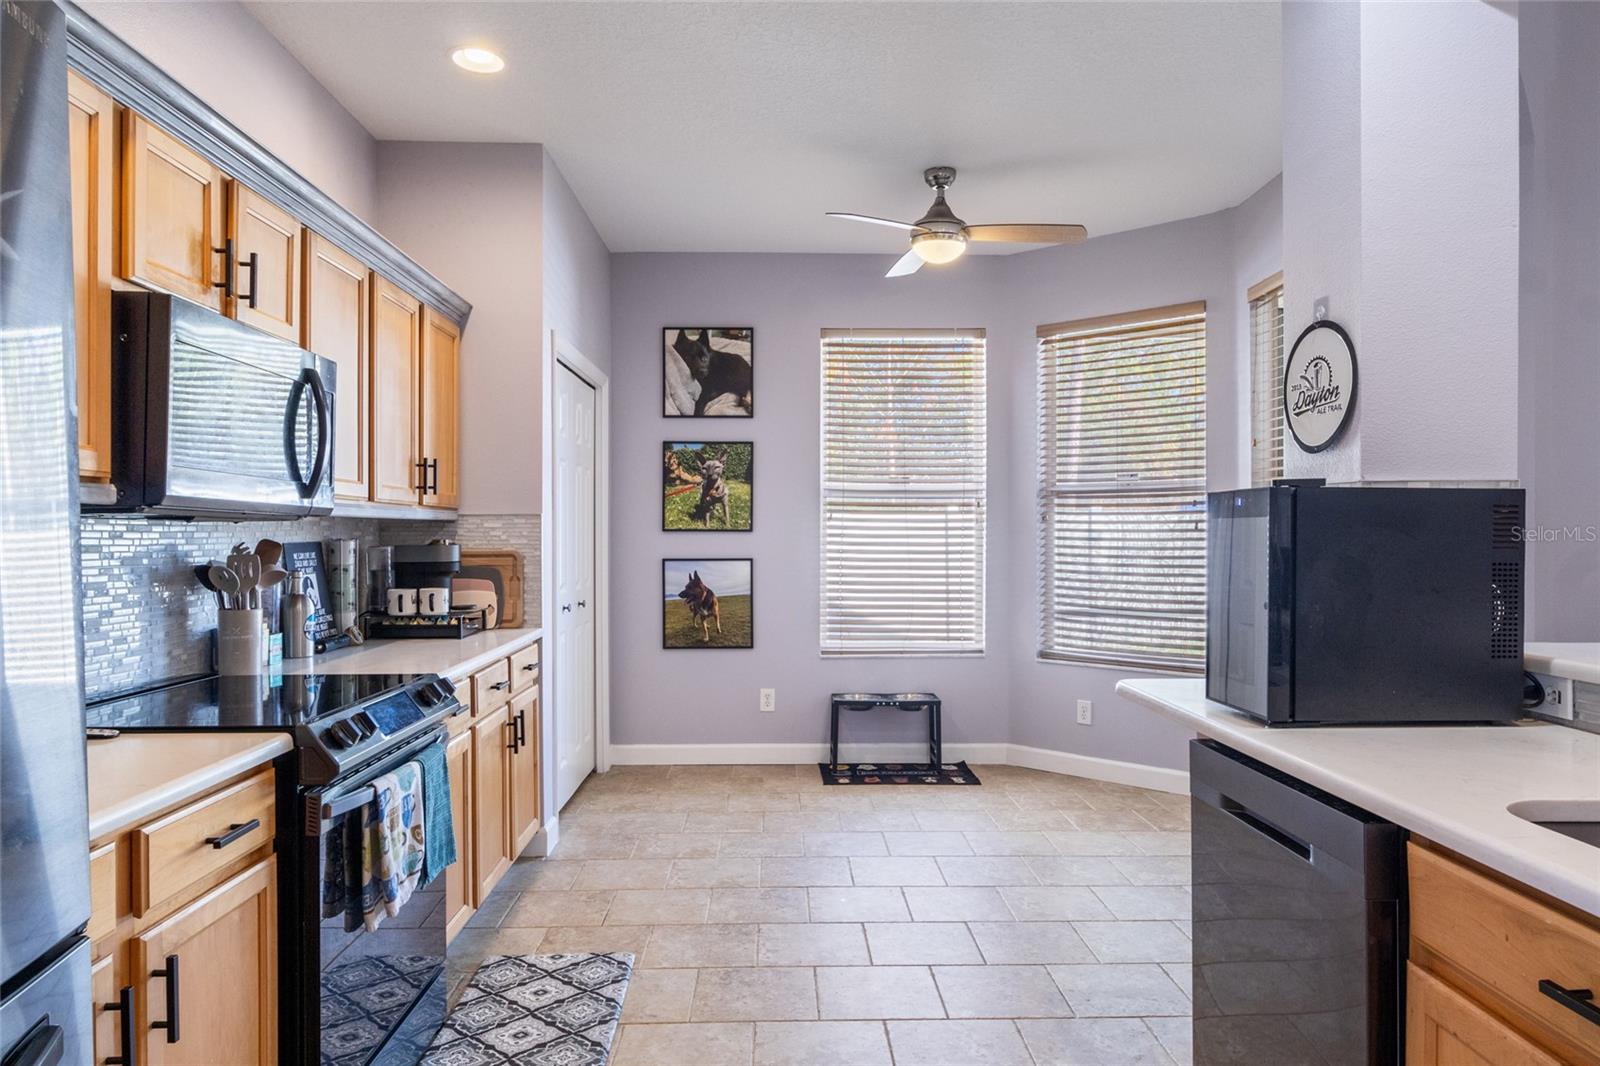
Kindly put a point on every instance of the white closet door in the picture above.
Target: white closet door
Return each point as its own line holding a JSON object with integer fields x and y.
{"x": 575, "y": 603}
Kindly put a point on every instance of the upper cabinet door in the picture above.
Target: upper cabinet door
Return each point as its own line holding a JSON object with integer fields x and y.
{"x": 90, "y": 114}
{"x": 337, "y": 290}
{"x": 396, "y": 372}
{"x": 441, "y": 409}
{"x": 172, "y": 221}
{"x": 266, "y": 241}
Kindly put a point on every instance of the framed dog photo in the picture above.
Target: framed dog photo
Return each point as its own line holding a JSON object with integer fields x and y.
{"x": 708, "y": 371}
{"x": 707, "y": 485}
{"x": 708, "y": 603}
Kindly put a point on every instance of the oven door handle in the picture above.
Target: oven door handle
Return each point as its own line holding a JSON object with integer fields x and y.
{"x": 330, "y": 804}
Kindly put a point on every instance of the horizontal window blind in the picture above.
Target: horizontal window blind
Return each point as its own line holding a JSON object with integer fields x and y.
{"x": 1266, "y": 388}
{"x": 904, "y": 469}
{"x": 1122, "y": 473}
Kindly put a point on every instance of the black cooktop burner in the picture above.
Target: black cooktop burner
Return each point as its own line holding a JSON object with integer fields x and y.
{"x": 241, "y": 703}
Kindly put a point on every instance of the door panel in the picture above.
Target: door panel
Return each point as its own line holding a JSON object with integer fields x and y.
{"x": 172, "y": 222}
{"x": 226, "y": 944}
{"x": 575, "y": 588}
{"x": 490, "y": 807}
{"x": 90, "y": 117}
{"x": 525, "y": 771}
{"x": 338, "y": 287}
{"x": 458, "y": 878}
{"x": 441, "y": 409}
{"x": 396, "y": 366}
{"x": 272, "y": 235}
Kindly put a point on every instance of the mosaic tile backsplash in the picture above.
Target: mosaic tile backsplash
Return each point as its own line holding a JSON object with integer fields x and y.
{"x": 146, "y": 618}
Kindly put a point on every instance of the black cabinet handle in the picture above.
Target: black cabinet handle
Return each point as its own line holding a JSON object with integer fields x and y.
{"x": 498, "y": 685}
{"x": 433, "y": 465}
{"x": 235, "y": 831}
{"x": 1579, "y": 1001}
{"x": 422, "y": 481}
{"x": 522, "y": 729}
{"x": 511, "y": 724}
{"x": 253, "y": 264}
{"x": 228, "y": 262}
{"x": 125, "y": 1034}
{"x": 44, "y": 1045}
{"x": 530, "y": 666}
{"x": 170, "y": 972}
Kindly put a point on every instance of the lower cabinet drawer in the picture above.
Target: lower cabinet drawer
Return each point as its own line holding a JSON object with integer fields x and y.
{"x": 1506, "y": 948}
{"x": 106, "y": 900}
{"x": 176, "y": 851}
{"x": 525, "y": 667}
{"x": 491, "y": 687}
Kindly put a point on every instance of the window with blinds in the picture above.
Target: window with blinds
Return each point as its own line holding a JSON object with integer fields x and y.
{"x": 904, "y": 466}
{"x": 1122, "y": 483}
{"x": 1266, "y": 380}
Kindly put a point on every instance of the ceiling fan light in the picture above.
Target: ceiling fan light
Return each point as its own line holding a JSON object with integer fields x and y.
{"x": 939, "y": 248}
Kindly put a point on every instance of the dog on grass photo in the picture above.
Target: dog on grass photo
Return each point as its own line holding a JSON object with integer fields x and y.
{"x": 707, "y": 486}
{"x": 708, "y": 603}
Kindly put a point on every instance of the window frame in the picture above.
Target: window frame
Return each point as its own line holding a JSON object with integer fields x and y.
{"x": 1054, "y": 485}
{"x": 1266, "y": 412}
{"x": 970, "y": 489}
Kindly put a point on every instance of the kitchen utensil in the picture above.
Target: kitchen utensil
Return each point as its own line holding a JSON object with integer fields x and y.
{"x": 271, "y": 575}
{"x": 248, "y": 567}
{"x": 402, "y": 602}
{"x": 226, "y": 582}
{"x": 271, "y": 552}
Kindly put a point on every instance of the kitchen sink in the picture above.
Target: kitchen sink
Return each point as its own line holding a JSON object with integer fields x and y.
{"x": 1578, "y": 819}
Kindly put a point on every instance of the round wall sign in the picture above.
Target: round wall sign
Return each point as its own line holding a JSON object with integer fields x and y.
{"x": 1319, "y": 385}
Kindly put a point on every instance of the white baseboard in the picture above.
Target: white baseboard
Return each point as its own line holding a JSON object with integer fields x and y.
{"x": 1113, "y": 770}
{"x": 1059, "y": 762}
{"x": 779, "y": 754}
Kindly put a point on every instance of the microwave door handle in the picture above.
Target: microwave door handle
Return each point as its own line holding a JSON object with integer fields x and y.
{"x": 291, "y": 444}
{"x": 319, "y": 397}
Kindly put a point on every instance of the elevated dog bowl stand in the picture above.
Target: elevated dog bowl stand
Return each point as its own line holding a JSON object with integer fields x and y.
{"x": 900, "y": 701}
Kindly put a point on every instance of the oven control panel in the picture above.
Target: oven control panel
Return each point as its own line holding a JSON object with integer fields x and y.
{"x": 364, "y": 730}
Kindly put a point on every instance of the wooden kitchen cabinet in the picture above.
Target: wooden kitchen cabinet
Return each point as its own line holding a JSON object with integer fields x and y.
{"x": 266, "y": 240}
{"x": 440, "y": 409}
{"x": 524, "y": 770}
{"x": 336, "y": 325}
{"x": 396, "y": 378}
{"x": 111, "y": 994}
{"x": 1445, "y": 1028}
{"x": 173, "y": 226}
{"x": 491, "y": 765}
{"x": 91, "y": 124}
{"x": 458, "y": 879}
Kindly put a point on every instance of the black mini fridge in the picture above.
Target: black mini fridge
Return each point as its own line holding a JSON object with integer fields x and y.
{"x": 1297, "y": 912}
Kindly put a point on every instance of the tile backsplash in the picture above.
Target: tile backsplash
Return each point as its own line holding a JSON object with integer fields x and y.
{"x": 146, "y": 618}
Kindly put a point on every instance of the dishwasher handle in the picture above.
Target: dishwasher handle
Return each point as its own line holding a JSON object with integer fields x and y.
{"x": 1246, "y": 817}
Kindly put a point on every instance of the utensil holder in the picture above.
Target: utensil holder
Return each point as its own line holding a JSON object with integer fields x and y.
{"x": 239, "y": 642}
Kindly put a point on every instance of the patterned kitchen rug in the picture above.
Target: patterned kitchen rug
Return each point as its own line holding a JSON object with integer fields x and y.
{"x": 897, "y": 773}
{"x": 535, "y": 1010}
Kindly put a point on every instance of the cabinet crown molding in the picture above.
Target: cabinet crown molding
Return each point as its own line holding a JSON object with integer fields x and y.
{"x": 108, "y": 61}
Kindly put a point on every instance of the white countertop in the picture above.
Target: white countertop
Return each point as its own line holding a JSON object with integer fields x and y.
{"x": 452, "y": 658}
{"x": 1450, "y": 784}
{"x": 1581, "y": 662}
{"x": 133, "y": 776}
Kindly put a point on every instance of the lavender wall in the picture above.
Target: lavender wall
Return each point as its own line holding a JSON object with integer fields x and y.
{"x": 577, "y": 272}
{"x": 1559, "y": 392}
{"x": 661, "y": 697}
{"x": 209, "y": 47}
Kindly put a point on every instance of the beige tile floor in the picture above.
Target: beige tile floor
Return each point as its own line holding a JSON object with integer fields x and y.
{"x": 1035, "y": 919}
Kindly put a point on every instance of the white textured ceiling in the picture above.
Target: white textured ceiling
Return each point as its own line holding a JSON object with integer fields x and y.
{"x": 734, "y": 126}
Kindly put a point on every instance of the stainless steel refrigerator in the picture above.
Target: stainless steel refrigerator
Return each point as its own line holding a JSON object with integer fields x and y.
{"x": 45, "y": 1015}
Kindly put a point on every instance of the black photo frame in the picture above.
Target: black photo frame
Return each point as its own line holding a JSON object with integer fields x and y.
{"x": 675, "y": 610}
{"x": 680, "y": 493}
{"x": 671, "y": 405}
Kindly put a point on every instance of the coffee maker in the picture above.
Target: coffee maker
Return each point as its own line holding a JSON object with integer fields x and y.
{"x": 416, "y": 600}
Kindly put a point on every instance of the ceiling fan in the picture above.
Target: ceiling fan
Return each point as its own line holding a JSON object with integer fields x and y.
{"x": 941, "y": 237}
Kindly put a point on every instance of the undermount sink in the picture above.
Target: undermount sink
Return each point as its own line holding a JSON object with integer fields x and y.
{"x": 1578, "y": 819}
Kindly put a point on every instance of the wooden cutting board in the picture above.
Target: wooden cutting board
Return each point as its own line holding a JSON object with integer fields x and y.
{"x": 508, "y": 565}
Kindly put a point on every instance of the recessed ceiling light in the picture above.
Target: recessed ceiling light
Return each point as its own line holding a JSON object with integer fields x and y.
{"x": 478, "y": 60}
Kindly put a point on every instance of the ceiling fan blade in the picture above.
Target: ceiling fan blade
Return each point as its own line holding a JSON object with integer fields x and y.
{"x": 909, "y": 263}
{"x": 1028, "y": 234}
{"x": 909, "y": 227}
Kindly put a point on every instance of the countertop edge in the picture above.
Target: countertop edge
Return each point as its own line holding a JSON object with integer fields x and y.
{"x": 1564, "y": 885}
{"x": 388, "y": 656}
{"x": 1577, "y": 661}
{"x": 111, "y": 820}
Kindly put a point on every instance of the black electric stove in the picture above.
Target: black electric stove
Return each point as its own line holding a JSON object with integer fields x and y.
{"x": 350, "y": 996}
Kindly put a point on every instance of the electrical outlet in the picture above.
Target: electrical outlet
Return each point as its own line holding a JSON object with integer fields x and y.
{"x": 1557, "y": 697}
{"x": 1085, "y": 712}
{"x": 769, "y": 699}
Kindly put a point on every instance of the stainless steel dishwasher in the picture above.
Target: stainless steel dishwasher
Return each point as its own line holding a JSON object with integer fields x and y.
{"x": 1298, "y": 909}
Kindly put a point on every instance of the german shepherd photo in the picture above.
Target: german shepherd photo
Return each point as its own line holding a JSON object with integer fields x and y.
{"x": 707, "y": 372}
{"x": 708, "y": 603}
{"x": 707, "y": 486}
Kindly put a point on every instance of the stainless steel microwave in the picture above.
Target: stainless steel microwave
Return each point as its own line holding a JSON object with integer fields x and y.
{"x": 1365, "y": 605}
{"x": 215, "y": 419}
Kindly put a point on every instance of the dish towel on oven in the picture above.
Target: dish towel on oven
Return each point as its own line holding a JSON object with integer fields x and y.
{"x": 392, "y": 848}
{"x": 439, "y": 836}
